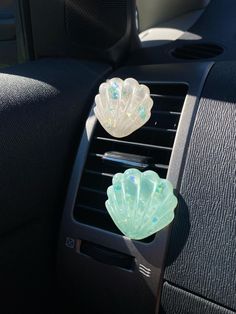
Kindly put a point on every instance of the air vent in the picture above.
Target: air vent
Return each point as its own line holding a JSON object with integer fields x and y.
{"x": 197, "y": 51}
{"x": 148, "y": 148}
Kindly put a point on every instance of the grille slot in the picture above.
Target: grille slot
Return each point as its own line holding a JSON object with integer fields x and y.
{"x": 154, "y": 140}
{"x": 197, "y": 51}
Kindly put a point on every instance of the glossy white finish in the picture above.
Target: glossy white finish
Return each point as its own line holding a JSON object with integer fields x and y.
{"x": 122, "y": 107}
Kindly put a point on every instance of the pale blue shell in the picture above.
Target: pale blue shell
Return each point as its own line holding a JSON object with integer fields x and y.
{"x": 140, "y": 203}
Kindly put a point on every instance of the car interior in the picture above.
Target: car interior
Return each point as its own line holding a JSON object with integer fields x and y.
{"x": 60, "y": 251}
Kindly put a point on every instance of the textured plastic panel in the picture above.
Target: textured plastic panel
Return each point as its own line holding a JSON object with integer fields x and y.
{"x": 202, "y": 256}
{"x": 184, "y": 302}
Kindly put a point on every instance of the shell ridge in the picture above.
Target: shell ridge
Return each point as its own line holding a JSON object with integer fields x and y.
{"x": 127, "y": 201}
{"x": 123, "y": 194}
{"x": 161, "y": 209}
{"x": 136, "y": 174}
{"x": 117, "y": 188}
{"x": 136, "y": 114}
{"x": 165, "y": 222}
{"x": 97, "y": 110}
{"x": 143, "y": 215}
{"x": 111, "y": 198}
{"x": 119, "y": 226}
{"x": 169, "y": 191}
{"x": 153, "y": 191}
{"x": 161, "y": 225}
{"x": 103, "y": 95}
{"x": 130, "y": 103}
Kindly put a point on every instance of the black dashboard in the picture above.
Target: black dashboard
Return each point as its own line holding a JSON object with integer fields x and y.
{"x": 58, "y": 244}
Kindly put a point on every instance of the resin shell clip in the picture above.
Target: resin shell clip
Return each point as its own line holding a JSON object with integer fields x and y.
{"x": 140, "y": 203}
{"x": 122, "y": 107}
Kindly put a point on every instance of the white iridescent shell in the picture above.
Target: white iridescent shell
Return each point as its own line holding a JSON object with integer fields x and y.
{"x": 140, "y": 203}
{"x": 123, "y": 106}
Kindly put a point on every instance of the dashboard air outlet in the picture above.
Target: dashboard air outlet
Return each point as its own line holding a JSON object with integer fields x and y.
{"x": 197, "y": 51}
{"x": 148, "y": 148}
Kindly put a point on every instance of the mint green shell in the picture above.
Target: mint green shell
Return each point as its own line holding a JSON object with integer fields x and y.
{"x": 140, "y": 203}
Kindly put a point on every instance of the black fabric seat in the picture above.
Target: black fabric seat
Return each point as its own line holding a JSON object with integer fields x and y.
{"x": 42, "y": 109}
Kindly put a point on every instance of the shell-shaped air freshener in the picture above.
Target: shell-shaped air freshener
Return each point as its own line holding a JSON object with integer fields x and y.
{"x": 140, "y": 203}
{"x": 123, "y": 106}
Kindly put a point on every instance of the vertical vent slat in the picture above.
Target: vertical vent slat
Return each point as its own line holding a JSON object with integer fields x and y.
{"x": 154, "y": 141}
